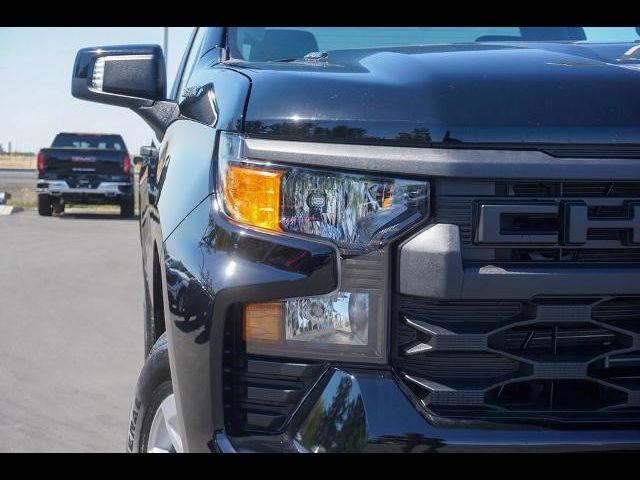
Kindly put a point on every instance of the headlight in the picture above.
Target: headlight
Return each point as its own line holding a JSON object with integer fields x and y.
{"x": 359, "y": 213}
{"x": 341, "y": 326}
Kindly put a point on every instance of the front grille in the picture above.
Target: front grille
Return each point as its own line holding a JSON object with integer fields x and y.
{"x": 619, "y": 312}
{"x": 546, "y": 359}
{"x": 567, "y": 255}
{"x": 554, "y": 339}
{"x": 260, "y": 393}
{"x": 461, "y": 365}
{"x": 454, "y": 311}
{"x": 568, "y": 189}
{"x": 550, "y": 395}
{"x": 610, "y": 206}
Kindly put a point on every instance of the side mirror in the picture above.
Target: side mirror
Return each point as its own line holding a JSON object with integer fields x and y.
{"x": 148, "y": 151}
{"x": 137, "y": 160}
{"x": 131, "y": 76}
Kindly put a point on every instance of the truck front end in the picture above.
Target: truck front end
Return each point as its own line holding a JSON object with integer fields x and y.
{"x": 443, "y": 252}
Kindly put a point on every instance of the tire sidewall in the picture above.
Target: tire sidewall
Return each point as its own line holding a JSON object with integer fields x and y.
{"x": 158, "y": 396}
{"x": 45, "y": 207}
{"x": 154, "y": 385}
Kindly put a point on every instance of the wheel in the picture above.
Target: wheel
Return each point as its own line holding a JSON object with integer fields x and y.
{"x": 153, "y": 423}
{"x": 45, "y": 205}
{"x": 58, "y": 207}
{"x": 126, "y": 207}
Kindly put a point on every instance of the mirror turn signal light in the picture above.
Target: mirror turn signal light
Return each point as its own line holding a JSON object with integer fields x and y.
{"x": 253, "y": 196}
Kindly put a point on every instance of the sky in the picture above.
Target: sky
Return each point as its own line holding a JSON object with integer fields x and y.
{"x": 35, "y": 83}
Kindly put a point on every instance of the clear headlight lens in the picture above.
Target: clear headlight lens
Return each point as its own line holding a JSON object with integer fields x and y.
{"x": 359, "y": 213}
{"x": 342, "y": 318}
{"x": 356, "y": 212}
{"x": 344, "y": 326}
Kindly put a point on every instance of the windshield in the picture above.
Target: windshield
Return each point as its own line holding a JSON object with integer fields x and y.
{"x": 75, "y": 140}
{"x": 259, "y": 44}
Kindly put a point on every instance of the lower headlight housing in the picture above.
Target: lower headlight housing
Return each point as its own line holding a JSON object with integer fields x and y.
{"x": 348, "y": 325}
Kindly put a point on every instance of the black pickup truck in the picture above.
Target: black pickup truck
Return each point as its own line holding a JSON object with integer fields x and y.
{"x": 85, "y": 168}
{"x": 387, "y": 239}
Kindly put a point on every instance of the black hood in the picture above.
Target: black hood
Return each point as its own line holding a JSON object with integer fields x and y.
{"x": 452, "y": 95}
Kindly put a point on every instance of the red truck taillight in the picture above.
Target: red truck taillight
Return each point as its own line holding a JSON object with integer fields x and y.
{"x": 40, "y": 162}
{"x": 126, "y": 164}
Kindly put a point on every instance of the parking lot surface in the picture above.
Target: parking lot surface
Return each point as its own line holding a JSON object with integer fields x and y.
{"x": 18, "y": 177}
{"x": 71, "y": 343}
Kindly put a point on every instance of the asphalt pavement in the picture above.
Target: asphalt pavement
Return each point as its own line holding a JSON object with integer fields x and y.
{"x": 18, "y": 177}
{"x": 71, "y": 340}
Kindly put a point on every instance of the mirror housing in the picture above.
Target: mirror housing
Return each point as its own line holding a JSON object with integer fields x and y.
{"x": 131, "y": 76}
{"x": 148, "y": 151}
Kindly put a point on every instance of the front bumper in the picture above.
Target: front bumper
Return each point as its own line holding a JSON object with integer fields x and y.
{"x": 368, "y": 411}
{"x": 58, "y": 188}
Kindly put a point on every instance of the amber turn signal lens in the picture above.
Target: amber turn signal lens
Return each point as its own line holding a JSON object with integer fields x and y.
{"x": 263, "y": 321}
{"x": 252, "y": 196}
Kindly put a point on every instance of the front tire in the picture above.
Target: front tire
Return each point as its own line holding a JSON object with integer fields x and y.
{"x": 45, "y": 205}
{"x": 153, "y": 422}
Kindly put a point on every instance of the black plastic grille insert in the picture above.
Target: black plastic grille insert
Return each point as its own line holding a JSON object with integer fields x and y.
{"x": 556, "y": 359}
